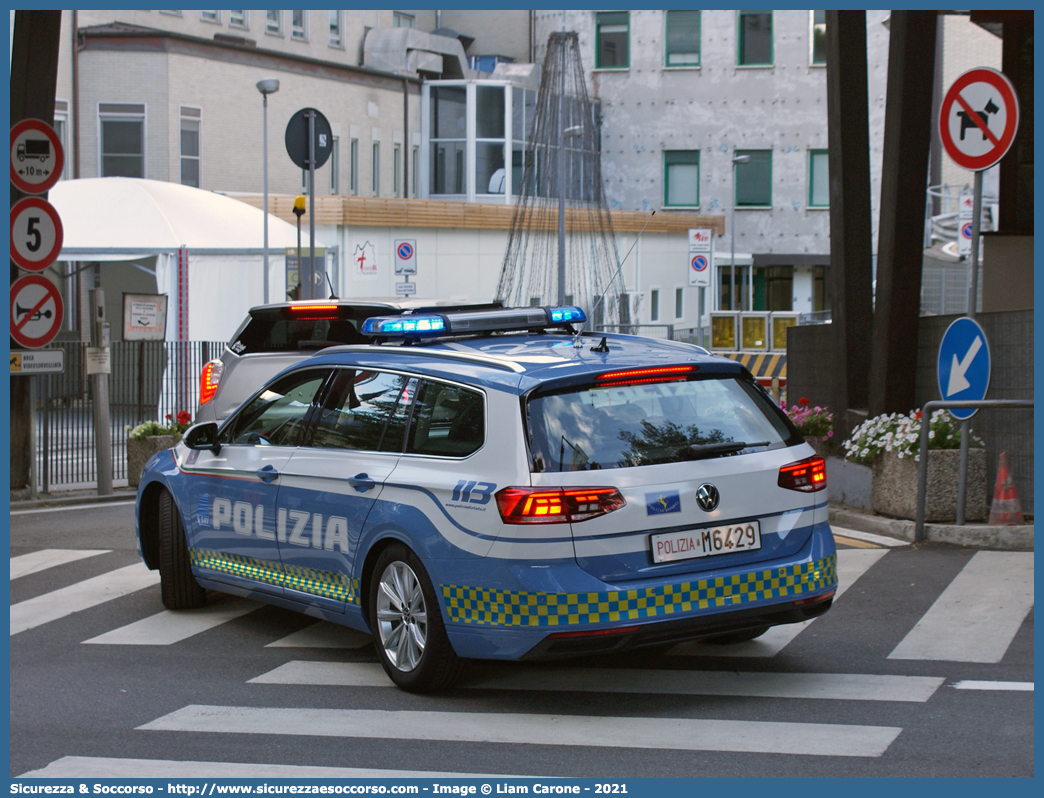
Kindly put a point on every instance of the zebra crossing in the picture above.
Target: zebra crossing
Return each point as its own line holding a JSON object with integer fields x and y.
{"x": 973, "y": 620}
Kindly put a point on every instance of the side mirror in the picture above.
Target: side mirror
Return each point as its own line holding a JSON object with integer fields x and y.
{"x": 203, "y": 436}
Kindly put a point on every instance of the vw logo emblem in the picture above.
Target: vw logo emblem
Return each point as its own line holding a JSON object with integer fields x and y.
{"x": 707, "y": 497}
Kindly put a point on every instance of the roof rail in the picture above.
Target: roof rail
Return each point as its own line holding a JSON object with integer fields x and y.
{"x": 484, "y": 360}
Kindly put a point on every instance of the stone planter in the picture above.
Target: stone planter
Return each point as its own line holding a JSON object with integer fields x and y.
{"x": 139, "y": 452}
{"x": 894, "y": 487}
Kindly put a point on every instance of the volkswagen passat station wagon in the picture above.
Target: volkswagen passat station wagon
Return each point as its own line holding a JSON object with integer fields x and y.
{"x": 498, "y": 484}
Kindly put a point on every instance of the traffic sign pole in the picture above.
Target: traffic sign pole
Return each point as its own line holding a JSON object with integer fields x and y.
{"x": 973, "y": 283}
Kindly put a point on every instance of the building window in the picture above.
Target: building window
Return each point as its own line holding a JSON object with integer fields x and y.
{"x": 754, "y": 179}
{"x": 210, "y": 16}
{"x": 681, "y": 177}
{"x": 353, "y": 167}
{"x": 122, "y": 139}
{"x": 274, "y": 23}
{"x": 654, "y": 305}
{"x": 755, "y": 38}
{"x": 611, "y": 35}
{"x": 299, "y": 25}
{"x": 679, "y": 303}
{"x": 61, "y": 124}
{"x": 683, "y": 38}
{"x": 335, "y": 166}
{"x": 414, "y": 170}
{"x": 490, "y": 126}
{"x": 818, "y": 179}
{"x": 239, "y": 19}
{"x": 397, "y": 170}
{"x": 448, "y": 137}
{"x": 336, "y": 29}
{"x": 818, "y": 38}
{"x": 400, "y": 20}
{"x": 190, "y": 119}
{"x": 376, "y": 181}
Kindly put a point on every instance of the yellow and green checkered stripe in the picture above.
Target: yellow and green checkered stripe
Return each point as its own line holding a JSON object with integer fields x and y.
{"x": 511, "y": 608}
{"x": 320, "y": 583}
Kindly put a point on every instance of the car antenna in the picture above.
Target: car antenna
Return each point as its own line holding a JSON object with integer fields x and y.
{"x": 333, "y": 295}
{"x": 602, "y": 347}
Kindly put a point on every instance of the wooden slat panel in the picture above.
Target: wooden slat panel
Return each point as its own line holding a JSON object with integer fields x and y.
{"x": 393, "y": 212}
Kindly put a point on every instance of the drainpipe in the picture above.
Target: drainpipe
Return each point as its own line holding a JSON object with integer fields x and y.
{"x": 76, "y": 95}
{"x": 406, "y": 149}
{"x": 438, "y": 19}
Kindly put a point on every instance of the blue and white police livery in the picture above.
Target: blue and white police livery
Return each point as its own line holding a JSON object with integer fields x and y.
{"x": 498, "y": 486}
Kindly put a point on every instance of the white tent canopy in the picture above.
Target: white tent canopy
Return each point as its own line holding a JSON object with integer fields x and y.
{"x": 111, "y": 219}
{"x": 120, "y": 218}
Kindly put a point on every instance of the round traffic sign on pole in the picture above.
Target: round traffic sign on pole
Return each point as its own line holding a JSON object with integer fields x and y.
{"x": 978, "y": 118}
{"x": 405, "y": 250}
{"x": 36, "y": 156}
{"x": 699, "y": 263}
{"x": 36, "y": 311}
{"x": 36, "y": 234}
{"x": 963, "y": 367}
{"x": 296, "y": 138}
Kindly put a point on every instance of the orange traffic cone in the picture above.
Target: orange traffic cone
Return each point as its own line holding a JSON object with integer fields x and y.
{"x": 1006, "y": 509}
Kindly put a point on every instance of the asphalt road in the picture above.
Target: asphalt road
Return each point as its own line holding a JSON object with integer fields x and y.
{"x": 923, "y": 668}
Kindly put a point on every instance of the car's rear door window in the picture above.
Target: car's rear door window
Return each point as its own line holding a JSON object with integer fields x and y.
{"x": 448, "y": 421}
{"x": 593, "y": 427}
{"x": 277, "y": 416}
{"x": 363, "y": 412}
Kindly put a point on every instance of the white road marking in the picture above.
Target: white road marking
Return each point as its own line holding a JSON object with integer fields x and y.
{"x": 869, "y": 537}
{"x": 80, "y": 596}
{"x": 71, "y": 507}
{"x": 836, "y": 686}
{"x": 87, "y": 767}
{"x": 323, "y": 635}
{"x": 979, "y": 613}
{"x": 851, "y": 564}
{"x": 810, "y": 739}
{"x": 968, "y": 684}
{"x": 36, "y": 561}
{"x": 168, "y": 627}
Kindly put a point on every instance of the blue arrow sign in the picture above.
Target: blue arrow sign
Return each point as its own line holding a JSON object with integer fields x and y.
{"x": 964, "y": 365}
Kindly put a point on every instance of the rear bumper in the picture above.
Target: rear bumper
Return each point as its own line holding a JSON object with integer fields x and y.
{"x": 679, "y": 631}
{"x": 519, "y": 624}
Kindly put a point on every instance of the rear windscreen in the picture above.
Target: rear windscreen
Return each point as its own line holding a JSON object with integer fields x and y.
{"x": 270, "y": 333}
{"x": 592, "y": 427}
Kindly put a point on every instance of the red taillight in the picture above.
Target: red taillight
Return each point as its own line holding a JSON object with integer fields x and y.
{"x": 634, "y": 376}
{"x": 814, "y": 599}
{"x": 805, "y": 475}
{"x": 209, "y": 379}
{"x": 556, "y": 505}
{"x": 313, "y": 311}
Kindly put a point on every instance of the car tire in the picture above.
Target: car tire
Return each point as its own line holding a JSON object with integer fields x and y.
{"x": 178, "y": 588}
{"x": 408, "y": 630}
{"x": 731, "y": 638}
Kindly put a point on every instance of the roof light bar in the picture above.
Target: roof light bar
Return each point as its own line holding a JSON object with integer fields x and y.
{"x": 460, "y": 322}
{"x": 404, "y": 325}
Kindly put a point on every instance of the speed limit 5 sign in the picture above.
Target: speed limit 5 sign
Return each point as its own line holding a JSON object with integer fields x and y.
{"x": 36, "y": 234}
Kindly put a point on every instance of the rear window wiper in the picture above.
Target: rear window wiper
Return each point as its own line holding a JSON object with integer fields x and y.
{"x": 701, "y": 451}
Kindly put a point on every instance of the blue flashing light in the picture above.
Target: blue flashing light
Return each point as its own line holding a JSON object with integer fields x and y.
{"x": 567, "y": 315}
{"x": 404, "y": 325}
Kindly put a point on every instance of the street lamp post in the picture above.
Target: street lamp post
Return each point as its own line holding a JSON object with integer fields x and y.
{"x": 266, "y": 86}
{"x": 736, "y": 160}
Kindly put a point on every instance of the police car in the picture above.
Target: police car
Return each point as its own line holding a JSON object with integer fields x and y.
{"x": 497, "y": 485}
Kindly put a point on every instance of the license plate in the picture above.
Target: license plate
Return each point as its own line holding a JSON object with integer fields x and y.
{"x": 706, "y": 542}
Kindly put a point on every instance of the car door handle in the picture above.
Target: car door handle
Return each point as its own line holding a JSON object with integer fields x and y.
{"x": 267, "y": 474}
{"x": 361, "y": 482}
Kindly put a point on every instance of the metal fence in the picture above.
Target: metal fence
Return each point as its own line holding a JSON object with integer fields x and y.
{"x": 149, "y": 380}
